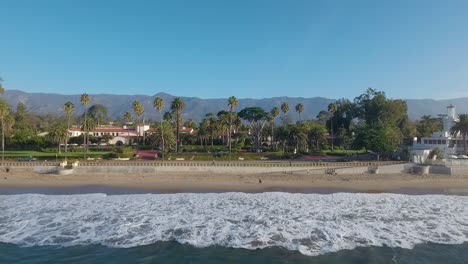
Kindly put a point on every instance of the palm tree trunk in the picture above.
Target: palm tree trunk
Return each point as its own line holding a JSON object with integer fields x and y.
{"x": 464, "y": 143}
{"x": 3, "y": 139}
{"x": 162, "y": 138}
{"x": 144, "y": 134}
{"x": 177, "y": 132}
{"x": 85, "y": 140}
{"x": 66, "y": 142}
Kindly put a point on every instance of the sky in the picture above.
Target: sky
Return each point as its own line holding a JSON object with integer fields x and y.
{"x": 245, "y": 48}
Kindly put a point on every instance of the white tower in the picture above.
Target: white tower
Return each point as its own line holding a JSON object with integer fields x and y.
{"x": 448, "y": 120}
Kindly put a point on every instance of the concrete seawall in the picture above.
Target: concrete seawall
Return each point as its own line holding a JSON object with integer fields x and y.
{"x": 386, "y": 169}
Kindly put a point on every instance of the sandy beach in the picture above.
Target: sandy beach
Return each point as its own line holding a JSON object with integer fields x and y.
{"x": 206, "y": 182}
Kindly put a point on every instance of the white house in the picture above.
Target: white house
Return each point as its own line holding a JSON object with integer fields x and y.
{"x": 449, "y": 145}
{"x": 120, "y": 135}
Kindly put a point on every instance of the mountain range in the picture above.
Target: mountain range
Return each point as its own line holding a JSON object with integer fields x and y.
{"x": 196, "y": 108}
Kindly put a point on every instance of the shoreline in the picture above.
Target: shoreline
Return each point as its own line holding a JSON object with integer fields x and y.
{"x": 203, "y": 182}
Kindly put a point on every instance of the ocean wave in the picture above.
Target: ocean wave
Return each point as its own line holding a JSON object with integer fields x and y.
{"x": 313, "y": 224}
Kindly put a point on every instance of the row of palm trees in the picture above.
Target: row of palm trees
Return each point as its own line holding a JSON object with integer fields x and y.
{"x": 178, "y": 105}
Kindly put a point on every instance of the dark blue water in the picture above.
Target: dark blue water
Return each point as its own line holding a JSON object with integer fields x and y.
{"x": 173, "y": 252}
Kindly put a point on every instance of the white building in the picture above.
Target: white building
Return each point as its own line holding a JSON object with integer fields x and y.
{"x": 120, "y": 135}
{"x": 449, "y": 145}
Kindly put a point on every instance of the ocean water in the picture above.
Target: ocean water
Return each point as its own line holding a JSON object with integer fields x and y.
{"x": 233, "y": 228}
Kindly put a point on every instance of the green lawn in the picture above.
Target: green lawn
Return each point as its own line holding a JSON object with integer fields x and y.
{"x": 14, "y": 154}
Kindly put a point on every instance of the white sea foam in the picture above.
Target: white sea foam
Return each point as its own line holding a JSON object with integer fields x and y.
{"x": 311, "y": 223}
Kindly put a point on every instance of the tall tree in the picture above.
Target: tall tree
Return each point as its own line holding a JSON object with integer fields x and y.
{"x": 84, "y": 99}
{"x": 189, "y": 123}
{"x": 460, "y": 127}
{"x": 139, "y": 110}
{"x": 128, "y": 118}
{"x": 285, "y": 110}
{"x": 177, "y": 106}
{"x": 274, "y": 113}
{"x": 99, "y": 113}
{"x": 257, "y": 117}
{"x": 165, "y": 133}
{"x": 299, "y": 110}
{"x": 4, "y": 112}
{"x": 158, "y": 104}
{"x": 223, "y": 125}
{"x": 232, "y": 103}
{"x": 428, "y": 125}
{"x": 2, "y": 90}
{"x": 317, "y": 134}
{"x": 332, "y": 110}
{"x": 68, "y": 107}
{"x": 58, "y": 134}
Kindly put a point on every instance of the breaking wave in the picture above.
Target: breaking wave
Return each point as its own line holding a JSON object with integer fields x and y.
{"x": 313, "y": 224}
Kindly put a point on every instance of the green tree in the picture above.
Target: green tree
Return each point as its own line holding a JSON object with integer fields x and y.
{"x": 168, "y": 116}
{"x": 323, "y": 117}
{"x": 4, "y": 112}
{"x": 257, "y": 117}
{"x": 58, "y": 134}
{"x": 177, "y": 106}
{"x": 190, "y": 123}
{"x": 163, "y": 135}
{"x": 99, "y": 113}
{"x": 68, "y": 107}
{"x": 232, "y": 103}
{"x": 460, "y": 127}
{"x": 274, "y": 113}
{"x": 428, "y": 125}
{"x": 139, "y": 110}
{"x": 299, "y": 110}
{"x": 332, "y": 109}
{"x": 85, "y": 99}
{"x": 223, "y": 125}
{"x": 158, "y": 104}
{"x": 298, "y": 136}
{"x": 128, "y": 119}
{"x": 89, "y": 125}
{"x": 317, "y": 134}
{"x": 285, "y": 110}
{"x": 2, "y": 89}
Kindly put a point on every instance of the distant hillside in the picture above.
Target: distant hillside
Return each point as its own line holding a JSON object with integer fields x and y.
{"x": 196, "y": 108}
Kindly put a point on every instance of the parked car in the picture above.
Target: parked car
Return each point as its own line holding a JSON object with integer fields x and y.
{"x": 30, "y": 158}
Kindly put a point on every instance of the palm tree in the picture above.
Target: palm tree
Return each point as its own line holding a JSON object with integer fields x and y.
{"x": 58, "y": 134}
{"x": 139, "y": 110}
{"x": 158, "y": 103}
{"x": 177, "y": 106}
{"x": 68, "y": 107}
{"x": 284, "y": 109}
{"x": 163, "y": 133}
{"x": 299, "y": 110}
{"x": 317, "y": 133}
{"x": 2, "y": 90}
{"x": 4, "y": 112}
{"x": 84, "y": 99}
{"x": 274, "y": 113}
{"x": 190, "y": 123}
{"x": 461, "y": 127}
{"x": 332, "y": 110}
{"x": 232, "y": 103}
{"x": 90, "y": 125}
{"x": 128, "y": 119}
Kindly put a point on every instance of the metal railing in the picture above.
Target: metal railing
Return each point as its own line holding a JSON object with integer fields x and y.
{"x": 205, "y": 164}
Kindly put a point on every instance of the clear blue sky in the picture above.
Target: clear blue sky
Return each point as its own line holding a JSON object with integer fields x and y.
{"x": 246, "y": 48}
